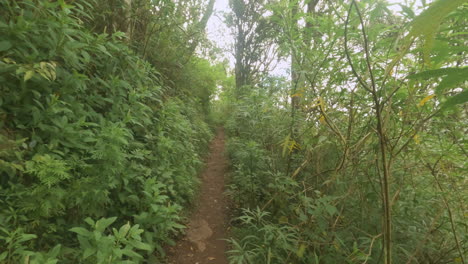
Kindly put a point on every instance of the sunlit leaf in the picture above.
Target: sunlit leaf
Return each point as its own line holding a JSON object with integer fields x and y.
{"x": 28, "y": 75}
{"x": 301, "y": 250}
{"x": 425, "y": 100}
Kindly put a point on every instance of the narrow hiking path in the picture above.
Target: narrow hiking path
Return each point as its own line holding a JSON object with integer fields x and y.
{"x": 203, "y": 241}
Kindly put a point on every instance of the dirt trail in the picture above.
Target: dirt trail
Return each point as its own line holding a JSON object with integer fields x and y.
{"x": 203, "y": 242}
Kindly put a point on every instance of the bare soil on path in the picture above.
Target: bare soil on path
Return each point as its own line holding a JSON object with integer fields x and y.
{"x": 204, "y": 238}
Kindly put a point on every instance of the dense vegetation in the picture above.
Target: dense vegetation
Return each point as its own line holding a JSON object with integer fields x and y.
{"x": 359, "y": 156}
{"x": 99, "y": 144}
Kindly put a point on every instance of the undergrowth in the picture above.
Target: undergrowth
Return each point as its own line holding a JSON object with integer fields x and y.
{"x": 96, "y": 163}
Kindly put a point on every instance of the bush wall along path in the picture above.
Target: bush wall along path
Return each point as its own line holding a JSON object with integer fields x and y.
{"x": 95, "y": 162}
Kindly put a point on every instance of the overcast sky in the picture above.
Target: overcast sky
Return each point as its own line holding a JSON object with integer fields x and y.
{"x": 219, "y": 33}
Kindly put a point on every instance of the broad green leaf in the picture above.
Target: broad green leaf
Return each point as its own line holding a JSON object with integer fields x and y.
{"x": 80, "y": 231}
{"x": 331, "y": 210}
{"x": 438, "y": 73}
{"x": 55, "y": 251}
{"x": 451, "y": 77}
{"x": 89, "y": 221}
{"x": 124, "y": 229}
{"x": 129, "y": 252}
{"x": 97, "y": 235}
{"x": 452, "y": 81}
{"x": 26, "y": 237}
{"x": 88, "y": 252}
{"x": 426, "y": 25}
{"x": 428, "y": 22}
{"x": 103, "y": 223}
{"x": 9, "y": 61}
{"x": 3, "y": 255}
{"x": 140, "y": 245}
{"x": 5, "y": 45}
{"x": 452, "y": 101}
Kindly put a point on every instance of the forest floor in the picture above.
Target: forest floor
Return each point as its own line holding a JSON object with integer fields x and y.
{"x": 204, "y": 242}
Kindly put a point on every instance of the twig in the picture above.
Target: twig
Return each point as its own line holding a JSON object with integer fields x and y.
{"x": 363, "y": 84}
{"x": 370, "y": 247}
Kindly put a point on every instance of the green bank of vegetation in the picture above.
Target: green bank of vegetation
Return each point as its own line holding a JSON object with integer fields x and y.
{"x": 358, "y": 156}
{"x": 103, "y": 121}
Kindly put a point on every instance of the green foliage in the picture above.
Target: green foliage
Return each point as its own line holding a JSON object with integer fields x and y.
{"x": 118, "y": 247}
{"x": 262, "y": 241}
{"x": 306, "y": 155}
{"x": 48, "y": 170}
{"x": 90, "y": 130}
{"x": 14, "y": 241}
{"x": 427, "y": 24}
{"x": 451, "y": 78}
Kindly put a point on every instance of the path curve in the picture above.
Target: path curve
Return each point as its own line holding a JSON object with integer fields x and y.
{"x": 203, "y": 242}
